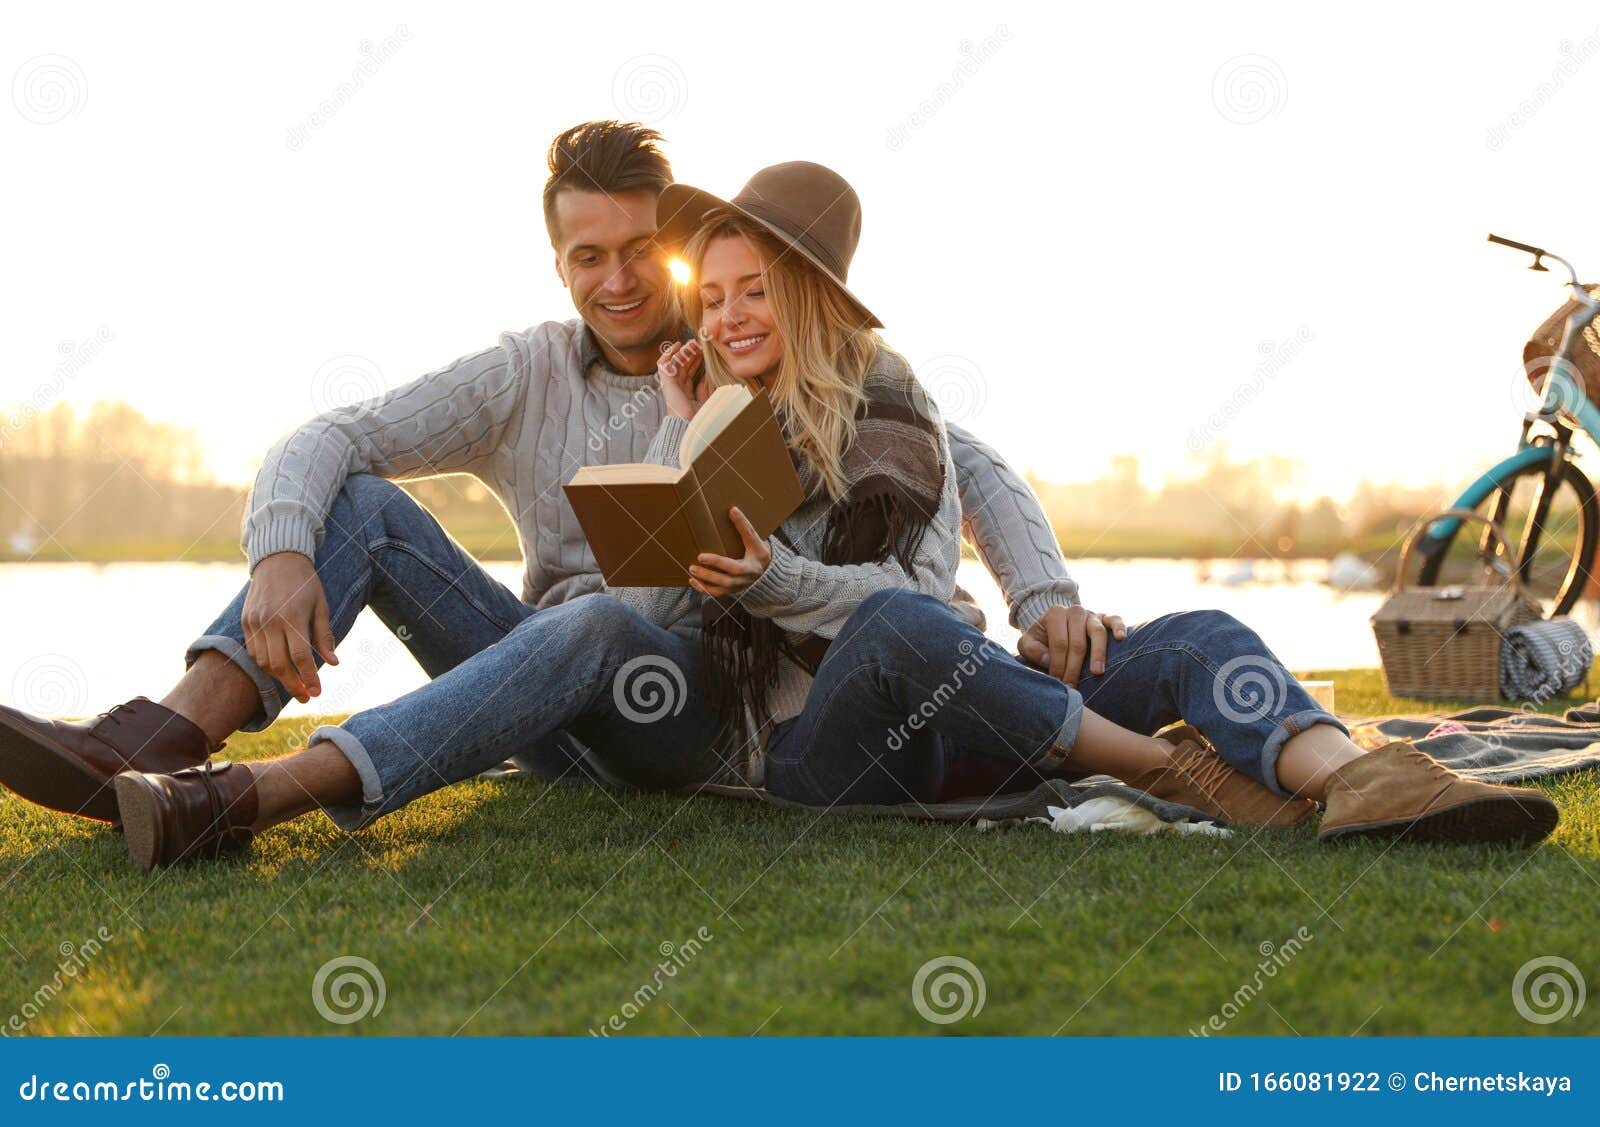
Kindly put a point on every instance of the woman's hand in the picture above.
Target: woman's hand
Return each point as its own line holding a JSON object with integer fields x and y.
{"x": 716, "y": 576}
{"x": 678, "y": 368}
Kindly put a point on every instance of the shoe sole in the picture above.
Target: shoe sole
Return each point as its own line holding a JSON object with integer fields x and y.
{"x": 50, "y": 776}
{"x": 1520, "y": 818}
{"x": 141, "y": 820}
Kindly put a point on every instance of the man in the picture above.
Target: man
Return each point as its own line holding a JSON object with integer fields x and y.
{"x": 326, "y": 533}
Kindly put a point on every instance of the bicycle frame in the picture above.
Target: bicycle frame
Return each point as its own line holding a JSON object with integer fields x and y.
{"x": 1563, "y": 395}
{"x": 1563, "y": 399}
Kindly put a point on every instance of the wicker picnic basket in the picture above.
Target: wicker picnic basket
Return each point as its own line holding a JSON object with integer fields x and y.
{"x": 1445, "y": 641}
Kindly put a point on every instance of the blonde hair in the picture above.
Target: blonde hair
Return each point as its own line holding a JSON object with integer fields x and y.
{"x": 827, "y": 350}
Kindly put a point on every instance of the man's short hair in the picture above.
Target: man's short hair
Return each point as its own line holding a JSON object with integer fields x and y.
{"x": 604, "y": 156}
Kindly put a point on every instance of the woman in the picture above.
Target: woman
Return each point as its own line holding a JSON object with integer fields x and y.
{"x": 769, "y": 304}
{"x": 833, "y": 661}
{"x": 856, "y": 589}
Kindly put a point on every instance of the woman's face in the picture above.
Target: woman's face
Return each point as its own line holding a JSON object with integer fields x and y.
{"x": 734, "y": 316}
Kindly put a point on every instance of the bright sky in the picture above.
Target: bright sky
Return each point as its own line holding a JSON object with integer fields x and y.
{"x": 1107, "y": 226}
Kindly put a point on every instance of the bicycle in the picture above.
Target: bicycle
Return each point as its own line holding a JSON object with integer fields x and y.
{"x": 1544, "y": 468}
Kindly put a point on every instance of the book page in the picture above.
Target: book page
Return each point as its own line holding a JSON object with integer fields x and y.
{"x": 719, "y": 409}
{"x": 628, "y": 472}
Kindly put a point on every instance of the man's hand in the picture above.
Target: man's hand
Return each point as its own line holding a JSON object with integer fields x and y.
{"x": 1064, "y": 636}
{"x": 284, "y": 609}
{"x": 716, "y": 576}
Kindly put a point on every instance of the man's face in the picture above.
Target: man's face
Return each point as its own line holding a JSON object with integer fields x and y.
{"x": 607, "y": 256}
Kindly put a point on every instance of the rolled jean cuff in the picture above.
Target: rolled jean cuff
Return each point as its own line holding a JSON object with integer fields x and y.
{"x": 1289, "y": 727}
{"x": 353, "y": 817}
{"x": 272, "y": 701}
{"x": 1067, "y": 733}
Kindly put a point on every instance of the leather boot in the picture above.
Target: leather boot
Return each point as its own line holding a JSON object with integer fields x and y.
{"x": 68, "y": 765}
{"x": 1199, "y": 777}
{"x": 1401, "y": 791}
{"x": 202, "y": 812}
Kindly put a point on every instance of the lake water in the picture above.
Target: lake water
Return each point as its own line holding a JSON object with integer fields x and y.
{"x": 78, "y": 638}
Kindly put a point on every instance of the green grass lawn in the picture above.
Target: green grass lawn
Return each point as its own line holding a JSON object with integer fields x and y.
{"x": 522, "y": 907}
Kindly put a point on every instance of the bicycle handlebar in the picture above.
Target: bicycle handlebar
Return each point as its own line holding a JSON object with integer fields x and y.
{"x": 1514, "y": 245}
{"x": 1539, "y": 255}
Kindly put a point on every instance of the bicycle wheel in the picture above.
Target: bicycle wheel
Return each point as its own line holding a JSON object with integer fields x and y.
{"x": 1558, "y": 568}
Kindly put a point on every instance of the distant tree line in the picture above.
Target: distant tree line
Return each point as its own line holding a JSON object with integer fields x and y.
{"x": 110, "y": 483}
{"x": 1254, "y": 508}
{"x": 107, "y": 480}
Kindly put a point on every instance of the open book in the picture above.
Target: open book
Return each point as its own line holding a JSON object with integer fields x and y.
{"x": 647, "y": 523}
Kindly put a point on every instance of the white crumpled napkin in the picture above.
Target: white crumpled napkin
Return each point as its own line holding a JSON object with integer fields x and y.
{"x": 1111, "y": 813}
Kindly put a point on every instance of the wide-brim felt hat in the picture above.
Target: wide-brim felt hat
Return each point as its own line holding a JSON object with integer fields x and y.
{"x": 808, "y": 207}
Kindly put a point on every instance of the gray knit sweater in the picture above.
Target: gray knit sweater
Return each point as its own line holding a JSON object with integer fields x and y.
{"x": 524, "y": 416}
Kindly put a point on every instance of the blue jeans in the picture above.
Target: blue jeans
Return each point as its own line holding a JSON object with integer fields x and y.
{"x": 593, "y": 669}
{"x": 382, "y": 549}
{"x": 909, "y": 691}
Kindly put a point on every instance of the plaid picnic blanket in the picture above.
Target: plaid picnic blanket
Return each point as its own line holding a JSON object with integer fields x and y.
{"x": 1040, "y": 802}
{"x": 1502, "y": 745}
{"x": 1498, "y": 745}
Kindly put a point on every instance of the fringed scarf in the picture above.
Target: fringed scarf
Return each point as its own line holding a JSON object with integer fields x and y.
{"x": 894, "y": 475}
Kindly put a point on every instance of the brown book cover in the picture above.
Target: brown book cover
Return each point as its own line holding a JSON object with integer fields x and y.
{"x": 647, "y": 523}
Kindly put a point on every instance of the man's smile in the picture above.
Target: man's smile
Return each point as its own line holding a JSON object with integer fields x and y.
{"x": 624, "y": 310}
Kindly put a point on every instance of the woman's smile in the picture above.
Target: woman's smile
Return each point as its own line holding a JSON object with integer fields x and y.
{"x": 744, "y": 343}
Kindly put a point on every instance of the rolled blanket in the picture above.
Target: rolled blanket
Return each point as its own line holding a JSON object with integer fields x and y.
{"x": 1541, "y": 660}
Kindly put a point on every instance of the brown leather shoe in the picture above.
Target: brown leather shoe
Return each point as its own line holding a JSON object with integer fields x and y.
{"x": 1400, "y": 790}
{"x": 1199, "y": 777}
{"x": 201, "y": 812}
{"x": 69, "y": 765}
